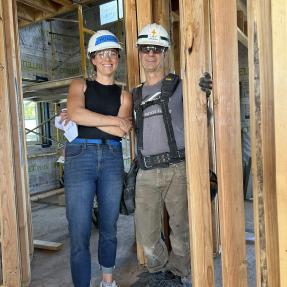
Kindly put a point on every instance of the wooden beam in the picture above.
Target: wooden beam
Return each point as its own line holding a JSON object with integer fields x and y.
{"x": 132, "y": 58}
{"x": 24, "y": 150}
{"x": 82, "y": 41}
{"x": 63, "y": 2}
{"x": 228, "y": 141}
{"x": 263, "y": 142}
{"x": 47, "y": 245}
{"x": 46, "y": 194}
{"x": 133, "y": 77}
{"x": 242, "y": 38}
{"x": 24, "y": 13}
{"x": 161, "y": 15}
{"x": 279, "y": 36}
{"x": 42, "y": 5}
{"x": 241, "y": 6}
{"x": 144, "y": 17}
{"x": 9, "y": 229}
{"x": 193, "y": 22}
{"x": 17, "y": 125}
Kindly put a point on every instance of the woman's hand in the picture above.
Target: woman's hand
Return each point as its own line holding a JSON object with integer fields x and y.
{"x": 64, "y": 117}
{"x": 125, "y": 124}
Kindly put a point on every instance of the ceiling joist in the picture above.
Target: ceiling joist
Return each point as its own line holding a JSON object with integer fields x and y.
{"x": 24, "y": 13}
{"x": 41, "y": 5}
{"x": 63, "y": 2}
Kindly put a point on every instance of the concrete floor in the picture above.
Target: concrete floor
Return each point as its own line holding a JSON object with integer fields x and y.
{"x": 51, "y": 268}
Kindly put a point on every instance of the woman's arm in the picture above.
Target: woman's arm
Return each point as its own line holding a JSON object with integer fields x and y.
{"x": 125, "y": 112}
{"x": 82, "y": 116}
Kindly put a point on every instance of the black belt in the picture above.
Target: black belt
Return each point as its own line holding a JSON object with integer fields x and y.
{"x": 160, "y": 160}
{"x": 96, "y": 141}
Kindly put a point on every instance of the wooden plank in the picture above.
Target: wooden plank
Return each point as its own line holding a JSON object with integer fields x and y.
{"x": 9, "y": 229}
{"x": 24, "y": 13}
{"x": 132, "y": 59}
{"x": 161, "y": 15}
{"x": 279, "y": 36}
{"x": 133, "y": 78}
{"x": 24, "y": 150}
{"x": 17, "y": 125}
{"x": 240, "y": 20}
{"x": 241, "y": 6}
{"x": 228, "y": 141}
{"x": 47, "y": 245}
{"x": 28, "y": 16}
{"x": 242, "y": 38}
{"x": 193, "y": 21}
{"x": 63, "y": 2}
{"x": 144, "y": 17}
{"x": 42, "y": 5}
{"x": 175, "y": 36}
{"x": 46, "y": 194}
{"x": 262, "y": 142}
{"x": 82, "y": 41}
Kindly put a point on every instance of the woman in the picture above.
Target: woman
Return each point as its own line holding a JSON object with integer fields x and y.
{"x": 94, "y": 162}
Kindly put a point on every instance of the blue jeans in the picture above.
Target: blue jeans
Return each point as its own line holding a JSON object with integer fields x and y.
{"x": 92, "y": 169}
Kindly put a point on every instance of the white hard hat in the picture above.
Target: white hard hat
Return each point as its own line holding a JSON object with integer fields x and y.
{"x": 153, "y": 34}
{"x": 102, "y": 40}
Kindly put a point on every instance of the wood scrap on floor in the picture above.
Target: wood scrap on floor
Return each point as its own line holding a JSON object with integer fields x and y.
{"x": 47, "y": 245}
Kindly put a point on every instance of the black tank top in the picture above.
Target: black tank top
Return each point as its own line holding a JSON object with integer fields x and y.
{"x": 102, "y": 99}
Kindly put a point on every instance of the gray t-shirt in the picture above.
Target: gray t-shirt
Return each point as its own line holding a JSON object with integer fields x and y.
{"x": 154, "y": 133}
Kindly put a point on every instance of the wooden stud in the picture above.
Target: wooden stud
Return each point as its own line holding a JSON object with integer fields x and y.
{"x": 82, "y": 42}
{"x": 193, "y": 21}
{"x": 9, "y": 229}
{"x": 279, "y": 36}
{"x": 132, "y": 59}
{"x": 161, "y": 15}
{"x": 144, "y": 17}
{"x": 133, "y": 78}
{"x": 228, "y": 141}
{"x": 175, "y": 36}
{"x": 240, "y": 20}
{"x": 19, "y": 153}
{"x": 263, "y": 142}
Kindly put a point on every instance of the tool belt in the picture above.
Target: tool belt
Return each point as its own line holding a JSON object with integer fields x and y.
{"x": 160, "y": 160}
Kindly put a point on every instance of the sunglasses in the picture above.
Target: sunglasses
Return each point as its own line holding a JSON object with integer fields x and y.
{"x": 155, "y": 49}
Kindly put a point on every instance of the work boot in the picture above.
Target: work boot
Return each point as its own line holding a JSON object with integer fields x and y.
{"x": 186, "y": 281}
{"x": 106, "y": 284}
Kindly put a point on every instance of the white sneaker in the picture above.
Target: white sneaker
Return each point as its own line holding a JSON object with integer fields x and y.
{"x": 106, "y": 284}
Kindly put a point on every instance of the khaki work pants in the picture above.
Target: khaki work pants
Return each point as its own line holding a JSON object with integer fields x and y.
{"x": 154, "y": 188}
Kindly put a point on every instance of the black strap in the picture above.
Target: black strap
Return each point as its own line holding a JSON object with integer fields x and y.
{"x": 137, "y": 99}
{"x": 169, "y": 84}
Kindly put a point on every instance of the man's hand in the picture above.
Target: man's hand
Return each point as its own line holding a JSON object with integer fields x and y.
{"x": 205, "y": 83}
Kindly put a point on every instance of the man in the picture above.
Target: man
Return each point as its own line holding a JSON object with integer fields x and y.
{"x": 161, "y": 178}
